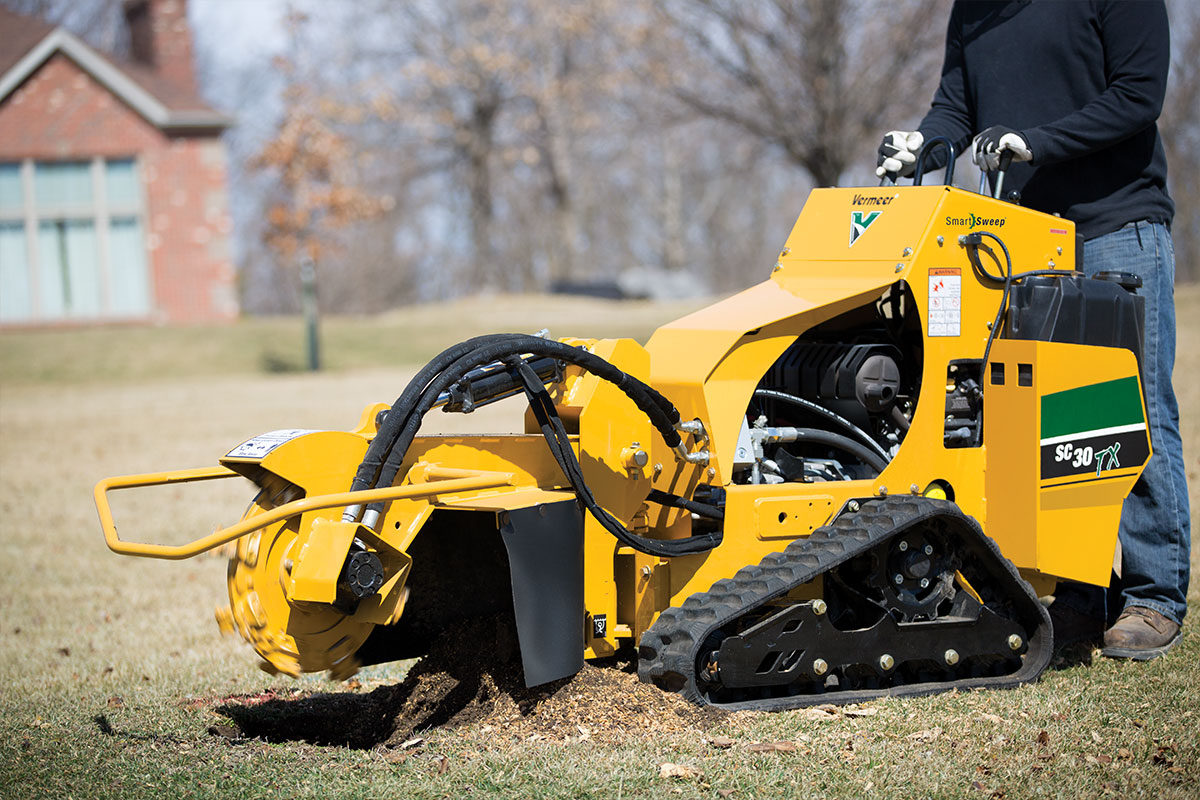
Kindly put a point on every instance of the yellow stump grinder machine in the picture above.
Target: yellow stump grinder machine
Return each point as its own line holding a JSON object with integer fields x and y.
{"x": 852, "y": 480}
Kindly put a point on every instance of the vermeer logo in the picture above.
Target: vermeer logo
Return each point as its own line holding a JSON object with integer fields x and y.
{"x": 872, "y": 200}
{"x": 859, "y": 222}
{"x": 972, "y": 221}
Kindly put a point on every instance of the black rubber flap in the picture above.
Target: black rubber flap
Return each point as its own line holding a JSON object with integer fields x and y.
{"x": 545, "y": 556}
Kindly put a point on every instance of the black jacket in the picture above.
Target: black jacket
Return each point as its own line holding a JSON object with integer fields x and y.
{"x": 1083, "y": 81}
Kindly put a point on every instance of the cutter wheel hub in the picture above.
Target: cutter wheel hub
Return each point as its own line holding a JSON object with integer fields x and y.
{"x": 744, "y": 644}
{"x": 363, "y": 574}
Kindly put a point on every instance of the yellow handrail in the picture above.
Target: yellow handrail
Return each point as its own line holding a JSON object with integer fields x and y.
{"x": 481, "y": 480}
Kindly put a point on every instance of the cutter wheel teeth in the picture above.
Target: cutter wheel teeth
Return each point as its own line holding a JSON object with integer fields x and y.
{"x": 291, "y": 638}
{"x": 745, "y": 645}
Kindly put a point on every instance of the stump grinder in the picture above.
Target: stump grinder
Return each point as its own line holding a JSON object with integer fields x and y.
{"x": 852, "y": 480}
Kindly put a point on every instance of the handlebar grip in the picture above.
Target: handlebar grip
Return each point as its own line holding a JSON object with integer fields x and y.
{"x": 1006, "y": 157}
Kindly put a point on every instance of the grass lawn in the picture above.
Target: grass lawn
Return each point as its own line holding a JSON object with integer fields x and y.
{"x": 114, "y": 674}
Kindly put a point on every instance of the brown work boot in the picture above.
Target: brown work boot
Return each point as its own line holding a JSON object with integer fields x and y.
{"x": 1141, "y": 634}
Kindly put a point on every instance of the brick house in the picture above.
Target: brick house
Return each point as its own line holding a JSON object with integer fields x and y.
{"x": 113, "y": 201}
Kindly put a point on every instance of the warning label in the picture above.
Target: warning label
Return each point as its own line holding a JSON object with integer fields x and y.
{"x": 945, "y": 302}
{"x": 264, "y": 443}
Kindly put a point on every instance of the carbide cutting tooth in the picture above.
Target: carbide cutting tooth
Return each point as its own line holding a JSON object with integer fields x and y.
{"x": 252, "y": 543}
{"x": 254, "y": 610}
{"x": 224, "y": 615}
{"x": 268, "y": 667}
{"x": 344, "y": 670}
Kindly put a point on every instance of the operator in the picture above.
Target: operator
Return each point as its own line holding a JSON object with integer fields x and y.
{"x": 1073, "y": 91}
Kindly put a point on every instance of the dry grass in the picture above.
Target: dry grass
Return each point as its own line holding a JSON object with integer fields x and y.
{"x": 113, "y": 670}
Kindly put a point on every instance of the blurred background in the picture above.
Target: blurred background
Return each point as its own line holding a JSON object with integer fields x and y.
{"x": 399, "y": 153}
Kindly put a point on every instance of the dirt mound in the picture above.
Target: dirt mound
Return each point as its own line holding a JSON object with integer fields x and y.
{"x": 472, "y": 677}
{"x": 472, "y": 681}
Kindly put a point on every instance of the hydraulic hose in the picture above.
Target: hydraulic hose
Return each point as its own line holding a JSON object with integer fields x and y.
{"x": 825, "y": 412}
{"x": 836, "y": 440}
{"x": 390, "y": 446}
{"x": 663, "y": 415}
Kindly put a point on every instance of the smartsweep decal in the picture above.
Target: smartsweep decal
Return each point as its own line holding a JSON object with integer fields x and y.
{"x": 859, "y": 222}
{"x": 1093, "y": 429}
{"x": 972, "y": 221}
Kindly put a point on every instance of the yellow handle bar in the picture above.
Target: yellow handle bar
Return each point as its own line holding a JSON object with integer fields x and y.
{"x": 446, "y": 481}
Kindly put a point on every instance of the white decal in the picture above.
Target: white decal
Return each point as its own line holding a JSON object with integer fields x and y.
{"x": 945, "y": 302}
{"x": 264, "y": 443}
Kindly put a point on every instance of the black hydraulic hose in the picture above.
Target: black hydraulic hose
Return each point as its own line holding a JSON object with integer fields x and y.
{"x": 825, "y": 412}
{"x": 818, "y": 436}
{"x": 556, "y": 437}
{"x": 662, "y": 414}
{"x": 675, "y": 501}
{"x": 393, "y": 422}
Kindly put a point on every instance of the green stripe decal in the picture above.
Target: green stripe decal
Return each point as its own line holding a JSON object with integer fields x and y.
{"x": 1088, "y": 408}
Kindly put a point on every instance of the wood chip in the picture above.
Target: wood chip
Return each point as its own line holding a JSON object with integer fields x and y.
{"x": 926, "y": 735}
{"x": 721, "y": 742}
{"x": 679, "y": 771}
{"x": 860, "y": 712}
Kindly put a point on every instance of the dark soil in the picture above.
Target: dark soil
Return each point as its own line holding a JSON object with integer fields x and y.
{"x": 472, "y": 681}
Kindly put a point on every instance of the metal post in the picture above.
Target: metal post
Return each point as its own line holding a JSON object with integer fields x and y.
{"x": 308, "y": 286}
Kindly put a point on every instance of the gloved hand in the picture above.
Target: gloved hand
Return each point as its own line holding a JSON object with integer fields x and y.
{"x": 987, "y": 146}
{"x": 898, "y": 153}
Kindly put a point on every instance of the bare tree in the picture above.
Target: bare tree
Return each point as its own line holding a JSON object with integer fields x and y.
{"x": 819, "y": 79}
{"x": 1180, "y": 128}
{"x": 319, "y": 189}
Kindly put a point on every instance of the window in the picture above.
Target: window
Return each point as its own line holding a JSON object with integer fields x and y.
{"x": 71, "y": 241}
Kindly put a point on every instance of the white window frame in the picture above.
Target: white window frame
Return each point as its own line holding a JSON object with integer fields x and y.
{"x": 101, "y": 213}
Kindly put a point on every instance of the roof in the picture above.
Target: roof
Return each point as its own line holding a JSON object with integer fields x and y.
{"x": 27, "y": 42}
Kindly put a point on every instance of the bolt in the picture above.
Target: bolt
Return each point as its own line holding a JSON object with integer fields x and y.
{"x": 787, "y": 250}
{"x": 819, "y": 607}
{"x": 951, "y": 657}
{"x": 647, "y": 572}
{"x": 1050, "y": 263}
{"x": 903, "y": 546}
{"x": 819, "y": 667}
{"x": 928, "y": 549}
{"x": 1015, "y": 642}
{"x": 907, "y": 252}
{"x": 900, "y": 268}
{"x": 1059, "y": 249}
{"x": 941, "y": 240}
{"x": 886, "y": 662}
{"x": 898, "y": 579}
{"x": 924, "y": 583}
{"x": 914, "y": 489}
{"x": 853, "y": 505}
{"x": 777, "y": 267}
{"x": 883, "y": 491}
{"x": 712, "y": 471}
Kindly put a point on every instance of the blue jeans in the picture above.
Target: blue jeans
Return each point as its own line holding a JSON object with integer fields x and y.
{"x": 1155, "y": 528}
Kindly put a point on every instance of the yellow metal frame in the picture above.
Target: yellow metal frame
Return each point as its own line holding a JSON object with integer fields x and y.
{"x": 445, "y": 481}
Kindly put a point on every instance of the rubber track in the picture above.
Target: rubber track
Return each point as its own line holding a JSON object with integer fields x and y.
{"x": 669, "y": 650}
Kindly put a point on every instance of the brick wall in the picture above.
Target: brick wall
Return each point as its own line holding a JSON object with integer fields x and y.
{"x": 61, "y": 113}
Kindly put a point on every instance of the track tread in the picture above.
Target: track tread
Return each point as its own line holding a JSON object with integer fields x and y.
{"x": 669, "y": 649}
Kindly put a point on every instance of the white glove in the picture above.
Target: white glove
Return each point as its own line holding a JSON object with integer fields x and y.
{"x": 898, "y": 153}
{"x": 987, "y": 147}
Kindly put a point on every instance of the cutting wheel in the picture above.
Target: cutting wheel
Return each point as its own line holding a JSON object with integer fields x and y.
{"x": 291, "y": 637}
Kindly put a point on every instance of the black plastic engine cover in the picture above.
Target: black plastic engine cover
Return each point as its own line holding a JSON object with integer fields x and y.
{"x": 1076, "y": 310}
{"x": 826, "y": 373}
